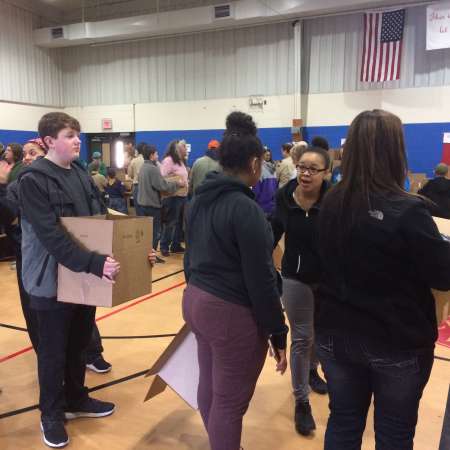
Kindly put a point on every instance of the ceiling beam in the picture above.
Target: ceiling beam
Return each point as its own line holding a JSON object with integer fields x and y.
{"x": 38, "y": 8}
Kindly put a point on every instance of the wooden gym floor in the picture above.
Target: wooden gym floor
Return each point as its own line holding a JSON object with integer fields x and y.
{"x": 164, "y": 422}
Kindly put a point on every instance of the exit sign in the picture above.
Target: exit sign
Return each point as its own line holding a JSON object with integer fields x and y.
{"x": 107, "y": 124}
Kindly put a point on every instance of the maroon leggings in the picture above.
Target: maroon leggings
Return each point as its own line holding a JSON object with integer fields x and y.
{"x": 231, "y": 353}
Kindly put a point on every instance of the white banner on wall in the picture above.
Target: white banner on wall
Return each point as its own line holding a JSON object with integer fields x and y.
{"x": 438, "y": 26}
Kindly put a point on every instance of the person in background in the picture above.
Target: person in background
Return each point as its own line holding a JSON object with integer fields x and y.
{"x": 266, "y": 187}
{"x": 133, "y": 173}
{"x": 151, "y": 184}
{"x": 14, "y": 156}
{"x": 321, "y": 142}
{"x": 115, "y": 190}
{"x": 268, "y": 160}
{"x": 438, "y": 191}
{"x": 204, "y": 165}
{"x": 97, "y": 158}
{"x": 296, "y": 216}
{"x": 286, "y": 170}
{"x": 172, "y": 165}
{"x": 382, "y": 254}
{"x": 99, "y": 179}
{"x": 32, "y": 150}
{"x": 232, "y": 302}
{"x": 286, "y": 167}
{"x": 129, "y": 154}
{"x": 336, "y": 174}
{"x": 2, "y": 151}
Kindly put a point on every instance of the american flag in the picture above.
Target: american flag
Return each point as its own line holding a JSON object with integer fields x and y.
{"x": 382, "y": 50}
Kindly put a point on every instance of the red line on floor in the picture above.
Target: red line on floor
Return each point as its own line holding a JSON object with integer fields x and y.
{"x": 116, "y": 311}
{"x": 13, "y": 355}
{"x": 143, "y": 299}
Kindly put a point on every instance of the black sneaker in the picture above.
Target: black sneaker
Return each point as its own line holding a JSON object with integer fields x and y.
{"x": 179, "y": 249}
{"x": 160, "y": 260}
{"x": 91, "y": 408}
{"x": 165, "y": 253}
{"x": 304, "y": 421}
{"x": 54, "y": 434}
{"x": 318, "y": 385}
{"x": 99, "y": 365}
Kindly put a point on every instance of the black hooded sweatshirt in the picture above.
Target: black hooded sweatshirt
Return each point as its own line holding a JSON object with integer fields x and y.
{"x": 229, "y": 251}
{"x": 48, "y": 192}
{"x": 438, "y": 191}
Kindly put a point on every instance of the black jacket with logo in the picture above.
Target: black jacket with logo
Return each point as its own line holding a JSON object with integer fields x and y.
{"x": 301, "y": 255}
{"x": 377, "y": 285}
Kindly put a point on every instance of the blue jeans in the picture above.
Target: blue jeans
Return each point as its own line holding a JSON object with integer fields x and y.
{"x": 118, "y": 204}
{"x": 149, "y": 211}
{"x": 137, "y": 207}
{"x": 356, "y": 371}
{"x": 172, "y": 228}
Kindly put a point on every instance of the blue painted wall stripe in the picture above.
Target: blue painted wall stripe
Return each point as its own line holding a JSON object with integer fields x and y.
{"x": 423, "y": 141}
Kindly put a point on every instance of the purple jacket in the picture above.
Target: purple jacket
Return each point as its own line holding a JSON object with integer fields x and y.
{"x": 265, "y": 190}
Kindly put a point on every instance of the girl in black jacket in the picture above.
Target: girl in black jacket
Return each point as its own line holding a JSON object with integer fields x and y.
{"x": 296, "y": 216}
{"x": 231, "y": 302}
{"x": 381, "y": 253}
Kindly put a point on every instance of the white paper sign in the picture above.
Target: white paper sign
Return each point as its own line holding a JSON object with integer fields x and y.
{"x": 343, "y": 141}
{"x": 446, "y": 139}
{"x": 438, "y": 26}
{"x": 181, "y": 372}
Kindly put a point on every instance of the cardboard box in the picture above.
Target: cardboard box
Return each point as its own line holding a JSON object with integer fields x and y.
{"x": 182, "y": 192}
{"x": 177, "y": 368}
{"x": 129, "y": 240}
{"x": 442, "y": 298}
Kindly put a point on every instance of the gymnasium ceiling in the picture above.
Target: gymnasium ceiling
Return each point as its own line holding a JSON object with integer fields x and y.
{"x": 60, "y": 12}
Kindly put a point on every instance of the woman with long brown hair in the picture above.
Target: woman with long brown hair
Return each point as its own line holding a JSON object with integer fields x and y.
{"x": 381, "y": 253}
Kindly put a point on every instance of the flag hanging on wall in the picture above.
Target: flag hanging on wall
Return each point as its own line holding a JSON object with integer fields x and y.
{"x": 382, "y": 47}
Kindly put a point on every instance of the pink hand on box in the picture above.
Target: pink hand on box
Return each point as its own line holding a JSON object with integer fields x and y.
{"x": 110, "y": 269}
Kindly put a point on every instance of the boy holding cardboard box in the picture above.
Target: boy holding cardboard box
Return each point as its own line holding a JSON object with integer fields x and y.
{"x": 51, "y": 188}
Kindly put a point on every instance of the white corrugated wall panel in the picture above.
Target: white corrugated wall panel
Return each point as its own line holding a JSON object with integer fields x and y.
{"x": 28, "y": 74}
{"x": 220, "y": 64}
{"x": 332, "y": 55}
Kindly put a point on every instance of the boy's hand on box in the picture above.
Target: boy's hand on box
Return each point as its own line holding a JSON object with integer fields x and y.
{"x": 110, "y": 269}
{"x": 152, "y": 257}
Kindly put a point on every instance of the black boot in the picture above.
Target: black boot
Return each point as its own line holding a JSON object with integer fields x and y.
{"x": 304, "y": 421}
{"x": 317, "y": 384}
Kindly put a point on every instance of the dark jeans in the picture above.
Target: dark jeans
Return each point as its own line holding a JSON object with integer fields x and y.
{"x": 95, "y": 348}
{"x": 64, "y": 335}
{"x": 149, "y": 211}
{"x": 28, "y": 313}
{"x": 356, "y": 371}
{"x": 138, "y": 208}
{"x": 231, "y": 354}
{"x": 173, "y": 226}
{"x": 118, "y": 204}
